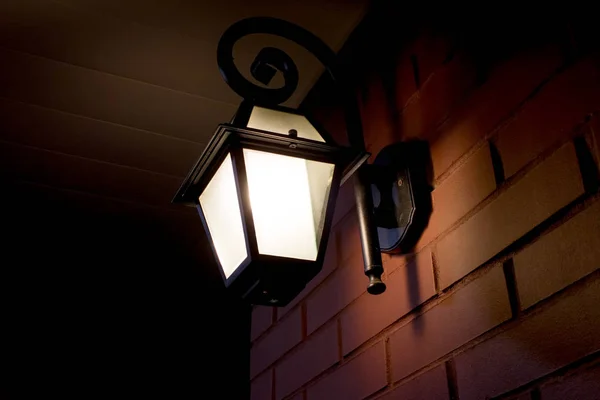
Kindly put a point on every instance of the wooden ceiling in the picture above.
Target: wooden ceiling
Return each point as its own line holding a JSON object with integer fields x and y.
{"x": 117, "y": 99}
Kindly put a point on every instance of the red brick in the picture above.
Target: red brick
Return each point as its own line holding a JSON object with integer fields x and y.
{"x": 329, "y": 265}
{"x": 459, "y": 318}
{"x": 554, "y": 112}
{"x": 431, "y": 50}
{"x": 432, "y": 385}
{"x": 285, "y": 335}
{"x": 507, "y": 86}
{"x": 458, "y": 194}
{"x": 593, "y": 138}
{"x": 559, "y": 258}
{"x": 407, "y": 287}
{"x": 262, "y": 318}
{"x": 348, "y": 237}
{"x": 354, "y": 380}
{"x": 522, "y": 396}
{"x": 544, "y": 190}
{"x": 405, "y": 86}
{"x": 391, "y": 262}
{"x": 314, "y": 356}
{"x": 584, "y": 385}
{"x": 345, "y": 201}
{"x": 466, "y": 187}
{"x": 377, "y": 145}
{"x": 261, "y": 386}
{"x": 375, "y": 113}
{"x": 546, "y": 341}
{"x": 331, "y": 118}
{"x": 427, "y": 49}
{"x": 434, "y": 101}
{"x": 338, "y": 290}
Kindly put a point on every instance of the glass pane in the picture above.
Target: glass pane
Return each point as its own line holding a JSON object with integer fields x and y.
{"x": 219, "y": 202}
{"x": 266, "y": 119}
{"x": 288, "y": 196}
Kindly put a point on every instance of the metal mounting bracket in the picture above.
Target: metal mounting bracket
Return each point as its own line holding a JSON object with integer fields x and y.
{"x": 392, "y": 177}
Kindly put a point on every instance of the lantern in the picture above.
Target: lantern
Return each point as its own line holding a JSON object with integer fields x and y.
{"x": 265, "y": 189}
{"x": 266, "y": 185}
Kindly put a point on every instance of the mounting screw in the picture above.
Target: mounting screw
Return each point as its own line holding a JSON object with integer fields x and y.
{"x": 293, "y": 146}
{"x": 400, "y": 182}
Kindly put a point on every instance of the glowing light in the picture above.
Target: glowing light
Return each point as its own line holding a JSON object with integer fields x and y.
{"x": 281, "y": 122}
{"x": 288, "y": 197}
{"x": 219, "y": 203}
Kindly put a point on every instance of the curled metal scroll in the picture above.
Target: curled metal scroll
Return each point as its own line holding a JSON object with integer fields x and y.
{"x": 270, "y": 59}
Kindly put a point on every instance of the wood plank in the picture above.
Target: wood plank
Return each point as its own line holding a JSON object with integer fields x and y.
{"x": 71, "y": 134}
{"x": 168, "y": 44}
{"x": 31, "y": 193}
{"x": 68, "y": 172}
{"x": 98, "y": 95}
{"x": 104, "y": 43}
{"x": 209, "y": 18}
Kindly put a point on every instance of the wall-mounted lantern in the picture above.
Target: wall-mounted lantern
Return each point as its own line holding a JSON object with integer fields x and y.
{"x": 267, "y": 183}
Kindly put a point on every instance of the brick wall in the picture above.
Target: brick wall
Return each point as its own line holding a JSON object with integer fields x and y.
{"x": 500, "y": 298}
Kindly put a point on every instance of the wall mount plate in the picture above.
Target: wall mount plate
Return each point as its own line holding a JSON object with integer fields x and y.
{"x": 400, "y": 193}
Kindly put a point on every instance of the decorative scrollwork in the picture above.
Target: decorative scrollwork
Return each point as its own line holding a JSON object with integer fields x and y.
{"x": 268, "y": 59}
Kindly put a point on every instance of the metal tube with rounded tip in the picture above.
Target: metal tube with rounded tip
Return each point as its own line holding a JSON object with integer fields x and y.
{"x": 368, "y": 231}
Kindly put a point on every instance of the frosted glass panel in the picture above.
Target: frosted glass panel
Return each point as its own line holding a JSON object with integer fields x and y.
{"x": 288, "y": 197}
{"x": 266, "y": 119}
{"x": 221, "y": 209}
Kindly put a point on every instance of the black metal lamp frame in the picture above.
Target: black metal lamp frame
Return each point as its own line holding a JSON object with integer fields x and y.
{"x": 279, "y": 286}
{"x": 260, "y": 279}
